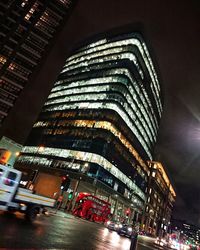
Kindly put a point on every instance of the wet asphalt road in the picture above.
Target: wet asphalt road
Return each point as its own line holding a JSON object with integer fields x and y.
{"x": 62, "y": 231}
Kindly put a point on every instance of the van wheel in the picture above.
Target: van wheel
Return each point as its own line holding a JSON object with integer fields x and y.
{"x": 31, "y": 213}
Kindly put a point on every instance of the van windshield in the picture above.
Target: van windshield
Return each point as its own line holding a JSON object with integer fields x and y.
{"x": 1, "y": 172}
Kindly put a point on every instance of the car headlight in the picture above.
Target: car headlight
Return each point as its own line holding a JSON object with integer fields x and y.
{"x": 108, "y": 222}
{"x": 116, "y": 225}
{"x": 120, "y": 226}
{"x": 129, "y": 229}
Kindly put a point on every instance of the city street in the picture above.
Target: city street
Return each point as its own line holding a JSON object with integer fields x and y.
{"x": 62, "y": 231}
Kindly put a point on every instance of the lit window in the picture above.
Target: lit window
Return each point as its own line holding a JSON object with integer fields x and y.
{"x": 24, "y": 3}
{"x": 3, "y": 60}
{"x": 65, "y": 2}
{"x": 31, "y": 11}
{"x": 83, "y": 156}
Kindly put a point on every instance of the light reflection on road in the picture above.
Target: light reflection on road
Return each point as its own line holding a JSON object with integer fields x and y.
{"x": 105, "y": 232}
{"x": 63, "y": 232}
{"x": 126, "y": 244}
{"x": 114, "y": 240}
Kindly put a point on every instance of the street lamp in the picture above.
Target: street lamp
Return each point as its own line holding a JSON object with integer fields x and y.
{"x": 85, "y": 168}
{"x": 40, "y": 149}
{"x": 17, "y": 153}
{"x": 74, "y": 194}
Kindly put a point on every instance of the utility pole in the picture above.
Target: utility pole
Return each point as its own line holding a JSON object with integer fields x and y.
{"x": 74, "y": 194}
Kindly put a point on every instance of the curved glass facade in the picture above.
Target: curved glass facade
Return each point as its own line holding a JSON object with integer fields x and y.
{"x": 104, "y": 109}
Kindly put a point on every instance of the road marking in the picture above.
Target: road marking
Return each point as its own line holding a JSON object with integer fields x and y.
{"x": 51, "y": 213}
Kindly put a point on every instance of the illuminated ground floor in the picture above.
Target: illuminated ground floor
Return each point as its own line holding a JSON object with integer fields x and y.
{"x": 47, "y": 182}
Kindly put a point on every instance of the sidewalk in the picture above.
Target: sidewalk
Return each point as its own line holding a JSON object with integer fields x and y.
{"x": 60, "y": 213}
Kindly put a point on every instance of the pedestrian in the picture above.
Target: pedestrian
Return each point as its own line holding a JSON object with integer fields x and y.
{"x": 133, "y": 245}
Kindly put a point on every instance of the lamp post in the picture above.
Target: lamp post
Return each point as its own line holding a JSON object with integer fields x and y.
{"x": 40, "y": 149}
{"x": 72, "y": 201}
{"x": 115, "y": 207}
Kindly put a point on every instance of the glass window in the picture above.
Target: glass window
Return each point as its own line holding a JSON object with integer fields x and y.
{"x": 10, "y": 180}
{"x": 1, "y": 172}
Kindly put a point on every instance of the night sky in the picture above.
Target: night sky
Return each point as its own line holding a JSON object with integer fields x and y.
{"x": 172, "y": 29}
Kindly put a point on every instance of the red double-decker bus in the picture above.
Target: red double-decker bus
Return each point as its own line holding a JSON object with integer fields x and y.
{"x": 92, "y": 208}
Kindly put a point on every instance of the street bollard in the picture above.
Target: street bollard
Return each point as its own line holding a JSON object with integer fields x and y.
{"x": 134, "y": 242}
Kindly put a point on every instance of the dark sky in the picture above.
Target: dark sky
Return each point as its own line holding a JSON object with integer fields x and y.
{"x": 173, "y": 30}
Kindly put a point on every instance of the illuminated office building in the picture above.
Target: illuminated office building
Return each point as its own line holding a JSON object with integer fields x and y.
{"x": 103, "y": 112}
{"x": 27, "y": 31}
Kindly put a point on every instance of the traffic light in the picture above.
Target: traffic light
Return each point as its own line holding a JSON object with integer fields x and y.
{"x": 70, "y": 195}
{"x": 65, "y": 183}
{"x": 33, "y": 175}
{"x": 127, "y": 212}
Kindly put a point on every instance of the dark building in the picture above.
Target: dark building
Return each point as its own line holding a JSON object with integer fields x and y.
{"x": 186, "y": 232}
{"x": 101, "y": 118}
{"x": 27, "y": 31}
{"x": 160, "y": 201}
